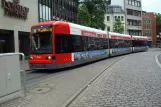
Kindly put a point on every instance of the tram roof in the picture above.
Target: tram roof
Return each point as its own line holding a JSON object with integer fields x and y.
{"x": 139, "y": 37}
{"x": 71, "y": 25}
{"x": 119, "y": 34}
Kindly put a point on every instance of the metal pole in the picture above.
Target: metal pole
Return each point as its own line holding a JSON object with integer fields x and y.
{"x": 24, "y": 72}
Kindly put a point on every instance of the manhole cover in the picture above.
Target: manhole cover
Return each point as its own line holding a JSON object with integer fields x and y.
{"x": 40, "y": 90}
{"x": 48, "y": 85}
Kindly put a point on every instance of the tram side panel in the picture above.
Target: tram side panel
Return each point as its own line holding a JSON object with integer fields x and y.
{"x": 120, "y": 44}
{"x": 83, "y": 49}
{"x": 139, "y": 45}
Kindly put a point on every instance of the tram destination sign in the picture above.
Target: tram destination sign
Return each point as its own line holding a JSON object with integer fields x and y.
{"x": 13, "y": 9}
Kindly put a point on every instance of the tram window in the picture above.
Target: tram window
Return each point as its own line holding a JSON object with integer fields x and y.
{"x": 96, "y": 43}
{"x": 105, "y": 43}
{"x": 63, "y": 43}
{"x": 77, "y": 43}
{"x": 112, "y": 43}
{"x": 100, "y": 43}
{"x": 139, "y": 43}
{"x": 119, "y": 43}
{"x": 91, "y": 45}
{"x": 85, "y": 43}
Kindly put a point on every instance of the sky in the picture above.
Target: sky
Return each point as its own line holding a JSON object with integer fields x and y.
{"x": 151, "y": 6}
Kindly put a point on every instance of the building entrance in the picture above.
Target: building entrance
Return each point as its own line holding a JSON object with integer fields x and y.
{"x": 6, "y": 41}
{"x": 24, "y": 43}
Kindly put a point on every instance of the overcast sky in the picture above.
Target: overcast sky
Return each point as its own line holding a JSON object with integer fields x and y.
{"x": 151, "y": 5}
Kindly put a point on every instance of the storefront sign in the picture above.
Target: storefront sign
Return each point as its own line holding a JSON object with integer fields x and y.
{"x": 15, "y": 10}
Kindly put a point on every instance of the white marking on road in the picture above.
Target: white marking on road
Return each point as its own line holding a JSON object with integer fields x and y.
{"x": 157, "y": 61}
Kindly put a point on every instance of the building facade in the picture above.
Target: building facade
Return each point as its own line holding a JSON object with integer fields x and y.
{"x": 133, "y": 15}
{"x": 16, "y": 18}
{"x": 57, "y": 9}
{"x": 149, "y": 27}
{"x": 113, "y": 12}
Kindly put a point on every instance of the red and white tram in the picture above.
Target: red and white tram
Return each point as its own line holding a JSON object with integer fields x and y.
{"x": 58, "y": 44}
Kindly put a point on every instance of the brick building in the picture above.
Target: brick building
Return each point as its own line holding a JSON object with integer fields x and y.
{"x": 149, "y": 27}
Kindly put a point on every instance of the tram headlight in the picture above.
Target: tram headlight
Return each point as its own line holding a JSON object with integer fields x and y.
{"x": 49, "y": 58}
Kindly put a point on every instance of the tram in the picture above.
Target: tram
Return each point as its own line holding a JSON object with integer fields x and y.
{"x": 58, "y": 44}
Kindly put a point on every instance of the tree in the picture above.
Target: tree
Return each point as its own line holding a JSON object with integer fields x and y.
{"x": 83, "y": 16}
{"x": 158, "y": 23}
{"x": 118, "y": 27}
{"x": 97, "y": 9}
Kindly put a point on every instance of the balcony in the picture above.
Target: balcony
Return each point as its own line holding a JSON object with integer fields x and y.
{"x": 134, "y": 7}
{"x": 134, "y": 27}
{"x": 133, "y": 17}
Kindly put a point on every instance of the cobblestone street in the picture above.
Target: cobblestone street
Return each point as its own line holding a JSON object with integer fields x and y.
{"x": 135, "y": 81}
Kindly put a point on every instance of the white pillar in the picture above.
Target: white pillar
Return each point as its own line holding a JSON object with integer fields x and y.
{"x": 16, "y": 41}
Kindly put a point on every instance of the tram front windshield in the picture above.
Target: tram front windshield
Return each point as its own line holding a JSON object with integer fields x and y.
{"x": 41, "y": 41}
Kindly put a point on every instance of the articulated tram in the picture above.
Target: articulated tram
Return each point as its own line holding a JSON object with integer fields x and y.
{"x": 58, "y": 44}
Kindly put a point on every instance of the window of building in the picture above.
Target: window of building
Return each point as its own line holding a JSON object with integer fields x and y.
{"x": 122, "y": 18}
{"x": 149, "y": 21}
{"x": 108, "y": 28}
{"x": 57, "y": 9}
{"x": 44, "y": 10}
{"x": 139, "y": 4}
{"x": 149, "y": 34}
{"x": 108, "y": 18}
{"x": 115, "y": 17}
{"x": 130, "y": 2}
{"x": 133, "y": 2}
{"x": 127, "y": 1}
{"x": 119, "y": 17}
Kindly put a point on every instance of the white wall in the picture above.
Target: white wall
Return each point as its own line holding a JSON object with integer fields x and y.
{"x": 112, "y": 20}
{"x": 15, "y": 24}
{"x": 12, "y": 23}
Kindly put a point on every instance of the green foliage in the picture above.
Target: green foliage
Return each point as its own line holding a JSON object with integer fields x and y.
{"x": 118, "y": 27}
{"x": 96, "y": 9}
{"x": 158, "y": 23}
{"x": 83, "y": 17}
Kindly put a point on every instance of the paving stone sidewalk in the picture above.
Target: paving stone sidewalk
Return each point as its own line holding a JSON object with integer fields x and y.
{"x": 135, "y": 81}
{"x": 61, "y": 86}
{"x": 24, "y": 65}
